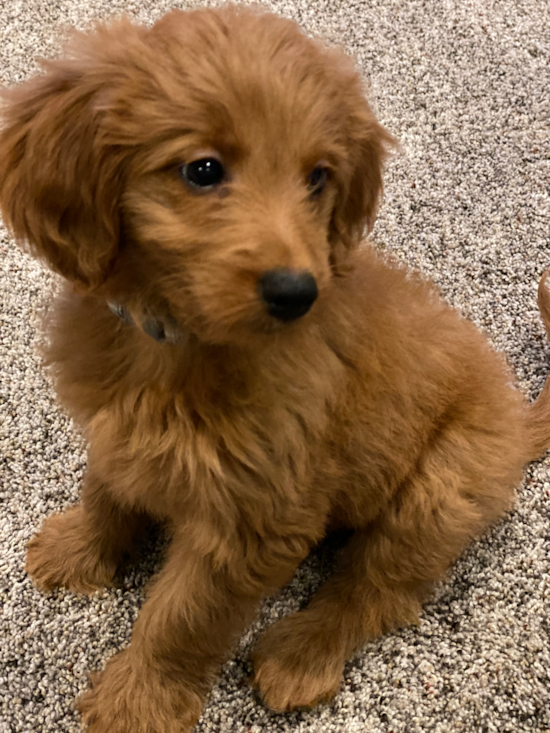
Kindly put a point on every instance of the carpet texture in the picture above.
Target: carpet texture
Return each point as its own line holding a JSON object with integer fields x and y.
{"x": 465, "y": 87}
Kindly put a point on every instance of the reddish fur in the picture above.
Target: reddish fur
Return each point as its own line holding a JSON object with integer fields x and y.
{"x": 380, "y": 411}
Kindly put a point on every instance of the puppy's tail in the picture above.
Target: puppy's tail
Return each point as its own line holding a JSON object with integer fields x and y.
{"x": 538, "y": 413}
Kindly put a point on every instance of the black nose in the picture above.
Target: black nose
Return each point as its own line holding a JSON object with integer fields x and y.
{"x": 288, "y": 294}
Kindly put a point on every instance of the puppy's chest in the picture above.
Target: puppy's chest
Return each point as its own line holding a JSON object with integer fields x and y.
{"x": 167, "y": 455}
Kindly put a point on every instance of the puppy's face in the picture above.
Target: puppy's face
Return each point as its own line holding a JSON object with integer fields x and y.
{"x": 228, "y": 165}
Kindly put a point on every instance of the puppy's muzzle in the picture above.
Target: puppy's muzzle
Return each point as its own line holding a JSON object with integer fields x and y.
{"x": 288, "y": 294}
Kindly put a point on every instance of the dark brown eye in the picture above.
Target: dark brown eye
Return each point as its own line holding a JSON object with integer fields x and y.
{"x": 317, "y": 180}
{"x": 203, "y": 174}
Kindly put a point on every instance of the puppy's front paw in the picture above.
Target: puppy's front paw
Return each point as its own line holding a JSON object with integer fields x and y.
{"x": 130, "y": 697}
{"x": 295, "y": 664}
{"x": 64, "y": 553}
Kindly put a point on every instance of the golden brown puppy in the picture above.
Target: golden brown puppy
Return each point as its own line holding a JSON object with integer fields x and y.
{"x": 243, "y": 371}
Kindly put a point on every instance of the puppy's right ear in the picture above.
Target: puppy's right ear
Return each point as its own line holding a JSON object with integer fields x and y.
{"x": 60, "y": 183}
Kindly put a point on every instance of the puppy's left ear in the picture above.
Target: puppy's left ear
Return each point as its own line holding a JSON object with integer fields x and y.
{"x": 360, "y": 188}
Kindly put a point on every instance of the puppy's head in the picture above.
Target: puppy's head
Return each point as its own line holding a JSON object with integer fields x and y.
{"x": 219, "y": 165}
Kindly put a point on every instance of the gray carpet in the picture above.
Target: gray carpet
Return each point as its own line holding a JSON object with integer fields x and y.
{"x": 465, "y": 87}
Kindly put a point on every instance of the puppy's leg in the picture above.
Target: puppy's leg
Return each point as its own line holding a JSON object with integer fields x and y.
{"x": 379, "y": 583}
{"x": 82, "y": 547}
{"x": 184, "y": 632}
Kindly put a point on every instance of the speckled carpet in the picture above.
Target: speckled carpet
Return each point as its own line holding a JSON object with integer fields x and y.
{"x": 465, "y": 87}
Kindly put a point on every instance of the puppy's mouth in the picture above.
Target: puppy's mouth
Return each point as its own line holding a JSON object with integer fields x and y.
{"x": 287, "y": 294}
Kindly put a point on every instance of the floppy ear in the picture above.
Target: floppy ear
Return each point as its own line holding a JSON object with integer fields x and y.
{"x": 60, "y": 183}
{"x": 360, "y": 189}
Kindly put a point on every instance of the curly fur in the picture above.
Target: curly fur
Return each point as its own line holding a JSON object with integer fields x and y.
{"x": 379, "y": 411}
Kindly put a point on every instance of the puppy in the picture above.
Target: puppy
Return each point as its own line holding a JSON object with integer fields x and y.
{"x": 243, "y": 370}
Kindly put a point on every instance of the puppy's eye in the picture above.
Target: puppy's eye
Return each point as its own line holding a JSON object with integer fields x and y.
{"x": 203, "y": 174}
{"x": 317, "y": 180}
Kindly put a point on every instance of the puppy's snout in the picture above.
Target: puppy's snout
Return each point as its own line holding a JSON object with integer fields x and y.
{"x": 288, "y": 294}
